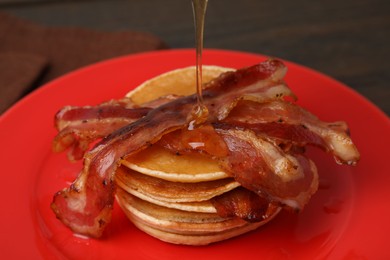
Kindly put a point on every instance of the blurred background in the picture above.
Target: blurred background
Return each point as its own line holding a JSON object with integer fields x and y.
{"x": 347, "y": 40}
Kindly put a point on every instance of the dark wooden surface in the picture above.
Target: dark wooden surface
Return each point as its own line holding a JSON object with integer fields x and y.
{"x": 348, "y": 40}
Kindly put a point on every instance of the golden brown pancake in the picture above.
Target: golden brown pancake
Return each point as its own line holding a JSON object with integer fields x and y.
{"x": 172, "y": 191}
{"x": 180, "y": 227}
{"x": 195, "y": 240}
{"x": 178, "y": 82}
{"x": 168, "y": 195}
{"x": 157, "y": 162}
{"x": 174, "y": 220}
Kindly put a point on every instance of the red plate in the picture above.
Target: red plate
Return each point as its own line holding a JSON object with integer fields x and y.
{"x": 347, "y": 218}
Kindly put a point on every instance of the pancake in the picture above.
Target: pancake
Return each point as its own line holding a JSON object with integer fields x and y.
{"x": 195, "y": 240}
{"x": 185, "y": 196}
{"x": 168, "y": 195}
{"x": 173, "y": 220}
{"x": 172, "y": 191}
{"x": 157, "y": 162}
{"x": 179, "y": 227}
{"x": 181, "y": 81}
{"x": 201, "y": 206}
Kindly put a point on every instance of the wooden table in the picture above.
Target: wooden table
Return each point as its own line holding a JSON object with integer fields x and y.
{"x": 347, "y": 40}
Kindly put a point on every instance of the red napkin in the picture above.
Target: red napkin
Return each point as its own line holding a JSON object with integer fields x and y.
{"x": 32, "y": 54}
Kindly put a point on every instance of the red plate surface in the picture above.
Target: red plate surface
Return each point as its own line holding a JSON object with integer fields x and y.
{"x": 348, "y": 218}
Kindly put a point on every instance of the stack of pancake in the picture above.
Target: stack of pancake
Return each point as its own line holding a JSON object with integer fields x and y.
{"x": 169, "y": 195}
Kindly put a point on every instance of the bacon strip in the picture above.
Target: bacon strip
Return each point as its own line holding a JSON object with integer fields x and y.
{"x": 113, "y": 108}
{"x": 123, "y": 108}
{"x": 90, "y": 124}
{"x": 261, "y": 166}
{"x": 257, "y": 161}
{"x": 290, "y": 123}
{"x": 254, "y": 160}
{"x": 254, "y": 134}
{"x": 80, "y": 126}
{"x": 79, "y": 136}
{"x": 86, "y": 205}
{"x": 244, "y": 204}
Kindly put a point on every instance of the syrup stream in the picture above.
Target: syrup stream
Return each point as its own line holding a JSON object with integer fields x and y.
{"x": 199, "y": 113}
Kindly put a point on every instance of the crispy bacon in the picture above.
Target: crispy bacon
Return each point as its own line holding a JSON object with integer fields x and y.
{"x": 256, "y": 142}
{"x": 244, "y": 204}
{"x": 78, "y": 134}
{"x": 286, "y": 122}
{"x": 78, "y": 137}
{"x": 86, "y": 205}
{"x": 80, "y": 126}
{"x": 255, "y": 161}
{"x": 262, "y": 140}
{"x": 261, "y": 166}
{"x": 113, "y": 108}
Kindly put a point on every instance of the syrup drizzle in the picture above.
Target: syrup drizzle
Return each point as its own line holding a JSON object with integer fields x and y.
{"x": 199, "y": 113}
